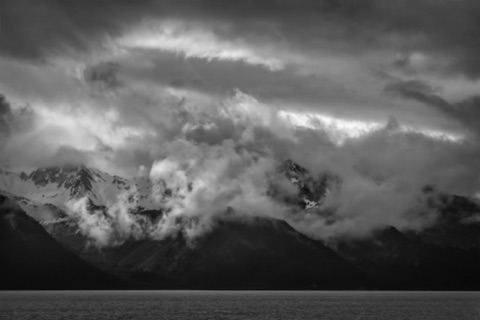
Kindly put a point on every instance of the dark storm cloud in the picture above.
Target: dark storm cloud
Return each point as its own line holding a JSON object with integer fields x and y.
{"x": 33, "y": 29}
{"x": 466, "y": 111}
{"x": 220, "y": 77}
{"x": 446, "y": 28}
{"x": 14, "y": 120}
{"x": 103, "y": 76}
{"x": 5, "y": 115}
{"x": 420, "y": 91}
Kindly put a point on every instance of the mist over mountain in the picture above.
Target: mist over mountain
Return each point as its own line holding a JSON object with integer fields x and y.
{"x": 110, "y": 209}
{"x": 32, "y": 259}
{"x": 146, "y": 244}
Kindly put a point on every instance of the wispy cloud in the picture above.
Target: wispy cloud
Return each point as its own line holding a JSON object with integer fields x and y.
{"x": 196, "y": 41}
{"x": 340, "y": 129}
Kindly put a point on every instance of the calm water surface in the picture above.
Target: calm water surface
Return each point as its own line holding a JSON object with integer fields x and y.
{"x": 185, "y": 305}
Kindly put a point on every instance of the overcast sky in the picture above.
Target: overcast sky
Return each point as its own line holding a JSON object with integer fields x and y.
{"x": 92, "y": 73}
{"x": 383, "y": 93}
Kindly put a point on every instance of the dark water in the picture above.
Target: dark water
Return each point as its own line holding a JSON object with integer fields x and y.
{"x": 173, "y": 305}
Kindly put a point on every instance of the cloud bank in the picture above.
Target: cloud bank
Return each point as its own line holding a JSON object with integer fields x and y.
{"x": 225, "y": 163}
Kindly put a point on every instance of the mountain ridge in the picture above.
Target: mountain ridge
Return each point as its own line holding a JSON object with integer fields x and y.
{"x": 237, "y": 250}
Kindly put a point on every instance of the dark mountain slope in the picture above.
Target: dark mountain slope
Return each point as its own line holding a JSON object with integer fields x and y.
{"x": 32, "y": 259}
{"x": 457, "y": 225}
{"x": 257, "y": 253}
{"x": 411, "y": 262}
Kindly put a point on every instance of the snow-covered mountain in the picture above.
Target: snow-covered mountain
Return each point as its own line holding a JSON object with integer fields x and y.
{"x": 312, "y": 190}
{"x": 47, "y": 189}
{"x": 236, "y": 253}
{"x": 57, "y": 186}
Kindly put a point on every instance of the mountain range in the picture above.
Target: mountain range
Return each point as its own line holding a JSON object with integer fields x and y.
{"x": 43, "y": 247}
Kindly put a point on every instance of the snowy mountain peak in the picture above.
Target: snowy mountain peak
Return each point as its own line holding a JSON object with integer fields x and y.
{"x": 78, "y": 180}
{"x": 64, "y": 186}
{"x": 293, "y": 168}
{"x": 61, "y": 185}
{"x": 312, "y": 190}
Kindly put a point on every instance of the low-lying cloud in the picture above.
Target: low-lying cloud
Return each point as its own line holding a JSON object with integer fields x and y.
{"x": 225, "y": 161}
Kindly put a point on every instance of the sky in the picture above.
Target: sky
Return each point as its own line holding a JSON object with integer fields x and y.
{"x": 384, "y": 93}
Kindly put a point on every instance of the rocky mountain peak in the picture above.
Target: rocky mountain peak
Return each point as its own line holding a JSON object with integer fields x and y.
{"x": 78, "y": 180}
{"x": 313, "y": 189}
